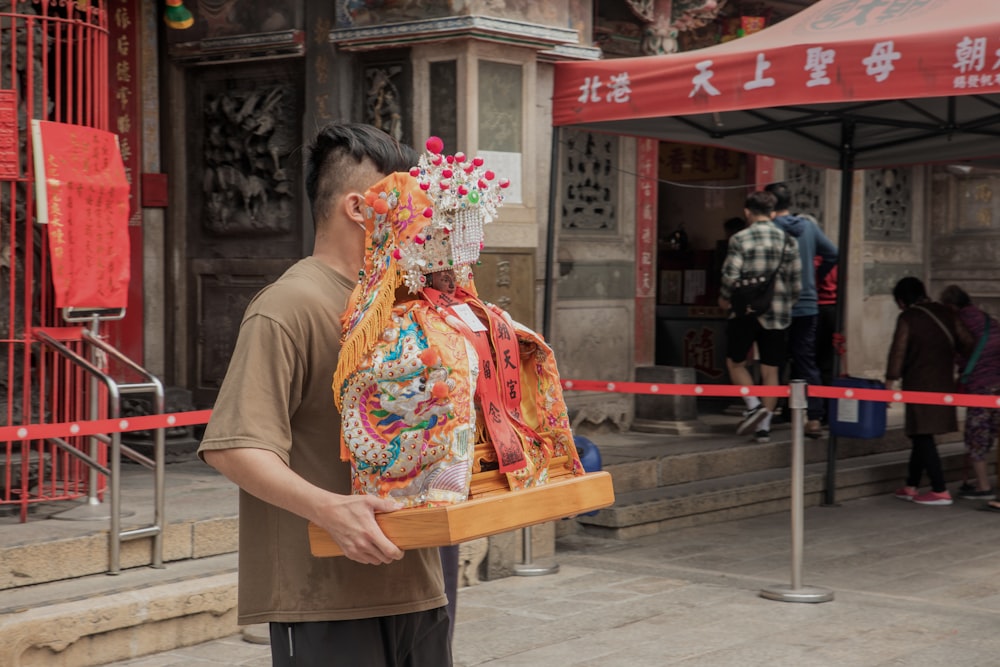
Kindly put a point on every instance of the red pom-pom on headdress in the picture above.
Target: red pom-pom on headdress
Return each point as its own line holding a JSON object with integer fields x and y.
{"x": 435, "y": 145}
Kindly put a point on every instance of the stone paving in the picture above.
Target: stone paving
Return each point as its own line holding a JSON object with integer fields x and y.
{"x": 915, "y": 586}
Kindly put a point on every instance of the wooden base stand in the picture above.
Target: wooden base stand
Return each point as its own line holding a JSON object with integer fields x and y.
{"x": 479, "y": 517}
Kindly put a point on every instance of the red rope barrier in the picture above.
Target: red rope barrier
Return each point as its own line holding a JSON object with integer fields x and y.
{"x": 121, "y": 425}
{"x": 176, "y": 419}
{"x": 850, "y": 393}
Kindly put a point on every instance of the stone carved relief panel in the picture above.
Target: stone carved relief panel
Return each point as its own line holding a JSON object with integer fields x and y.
{"x": 385, "y": 84}
{"x": 807, "y": 185}
{"x": 589, "y": 182}
{"x": 249, "y": 134}
{"x": 889, "y": 197}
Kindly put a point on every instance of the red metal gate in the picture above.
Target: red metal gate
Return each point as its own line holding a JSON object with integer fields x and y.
{"x": 53, "y": 66}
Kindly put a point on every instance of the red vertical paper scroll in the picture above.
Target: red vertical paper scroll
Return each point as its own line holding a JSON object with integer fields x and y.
{"x": 645, "y": 214}
{"x": 83, "y": 196}
{"x": 645, "y": 250}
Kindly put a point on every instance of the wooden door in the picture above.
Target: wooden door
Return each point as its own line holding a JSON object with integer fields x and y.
{"x": 244, "y": 209}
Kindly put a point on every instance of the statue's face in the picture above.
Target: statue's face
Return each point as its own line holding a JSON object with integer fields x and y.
{"x": 443, "y": 281}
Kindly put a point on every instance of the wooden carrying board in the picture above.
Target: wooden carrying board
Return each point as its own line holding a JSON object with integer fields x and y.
{"x": 491, "y": 514}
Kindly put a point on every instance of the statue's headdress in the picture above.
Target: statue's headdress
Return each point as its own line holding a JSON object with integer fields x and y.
{"x": 464, "y": 197}
{"x": 418, "y": 222}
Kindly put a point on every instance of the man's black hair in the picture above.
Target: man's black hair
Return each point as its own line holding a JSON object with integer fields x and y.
{"x": 760, "y": 203}
{"x": 733, "y": 225}
{"x": 340, "y": 147}
{"x": 909, "y": 290}
{"x": 782, "y": 194}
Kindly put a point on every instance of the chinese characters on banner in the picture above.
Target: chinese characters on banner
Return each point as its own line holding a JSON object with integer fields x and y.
{"x": 645, "y": 211}
{"x": 618, "y": 89}
{"x": 83, "y": 196}
{"x": 645, "y": 250}
{"x": 977, "y": 63}
{"x": 849, "y": 51}
{"x": 124, "y": 87}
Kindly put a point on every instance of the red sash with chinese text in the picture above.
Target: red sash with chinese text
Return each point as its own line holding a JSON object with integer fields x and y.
{"x": 501, "y": 407}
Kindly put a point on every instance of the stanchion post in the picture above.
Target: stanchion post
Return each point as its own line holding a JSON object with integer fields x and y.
{"x": 796, "y": 592}
{"x": 92, "y": 480}
{"x": 526, "y": 568}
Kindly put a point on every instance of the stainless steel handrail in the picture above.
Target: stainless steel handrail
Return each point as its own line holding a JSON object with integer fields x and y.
{"x": 115, "y": 392}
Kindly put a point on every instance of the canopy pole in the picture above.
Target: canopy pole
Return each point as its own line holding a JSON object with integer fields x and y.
{"x": 550, "y": 238}
{"x": 843, "y": 240}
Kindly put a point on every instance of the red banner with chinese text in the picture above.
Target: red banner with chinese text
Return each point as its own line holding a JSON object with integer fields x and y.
{"x": 645, "y": 250}
{"x": 831, "y": 51}
{"x": 645, "y": 214}
{"x": 83, "y": 195}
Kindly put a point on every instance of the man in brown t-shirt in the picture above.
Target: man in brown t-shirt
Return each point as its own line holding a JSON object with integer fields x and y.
{"x": 275, "y": 432}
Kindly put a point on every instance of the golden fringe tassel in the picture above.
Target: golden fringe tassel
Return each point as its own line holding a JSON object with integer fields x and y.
{"x": 362, "y": 339}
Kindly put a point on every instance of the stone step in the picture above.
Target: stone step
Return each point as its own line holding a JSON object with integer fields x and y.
{"x": 637, "y": 464}
{"x": 649, "y": 510}
{"x": 98, "y": 619}
{"x": 200, "y": 521}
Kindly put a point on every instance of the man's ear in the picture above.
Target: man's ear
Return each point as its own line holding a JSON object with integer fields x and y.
{"x": 354, "y": 207}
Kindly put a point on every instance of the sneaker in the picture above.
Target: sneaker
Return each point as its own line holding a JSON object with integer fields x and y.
{"x": 966, "y": 487}
{"x": 933, "y": 498}
{"x": 988, "y": 494}
{"x": 751, "y": 418}
{"x": 762, "y": 436}
{"x": 906, "y": 493}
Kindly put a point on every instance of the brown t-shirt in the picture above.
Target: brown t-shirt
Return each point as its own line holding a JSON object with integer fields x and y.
{"x": 277, "y": 396}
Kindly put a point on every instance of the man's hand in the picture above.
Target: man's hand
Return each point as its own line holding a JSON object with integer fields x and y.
{"x": 724, "y": 303}
{"x": 350, "y": 521}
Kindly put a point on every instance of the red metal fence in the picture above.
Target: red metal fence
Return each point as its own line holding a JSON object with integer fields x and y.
{"x": 53, "y": 66}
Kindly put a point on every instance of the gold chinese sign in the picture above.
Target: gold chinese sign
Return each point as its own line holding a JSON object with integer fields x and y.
{"x": 687, "y": 162}
{"x": 124, "y": 94}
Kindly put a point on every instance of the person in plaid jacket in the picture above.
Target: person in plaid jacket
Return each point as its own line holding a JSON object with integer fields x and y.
{"x": 762, "y": 249}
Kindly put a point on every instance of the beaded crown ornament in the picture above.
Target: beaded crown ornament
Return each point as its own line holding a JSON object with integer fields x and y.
{"x": 464, "y": 197}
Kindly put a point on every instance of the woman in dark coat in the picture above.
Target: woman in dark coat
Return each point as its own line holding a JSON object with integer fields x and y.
{"x": 922, "y": 355}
